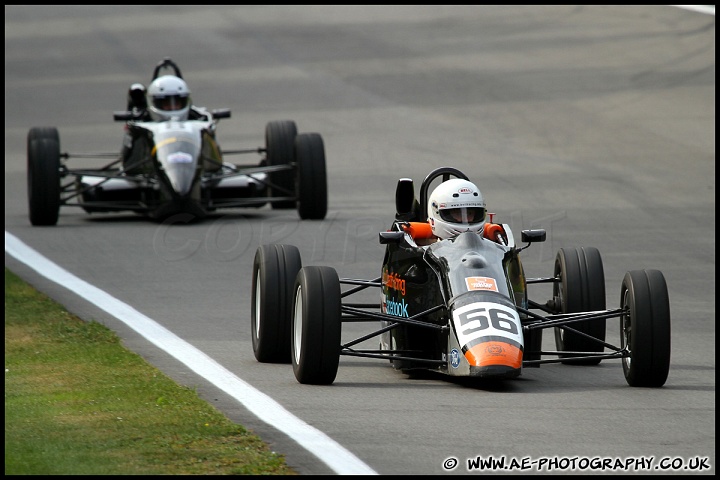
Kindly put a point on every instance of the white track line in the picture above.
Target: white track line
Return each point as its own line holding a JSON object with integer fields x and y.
{"x": 264, "y": 407}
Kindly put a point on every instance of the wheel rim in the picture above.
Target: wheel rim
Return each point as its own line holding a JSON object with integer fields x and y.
{"x": 626, "y": 330}
{"x": 297, "y": 325}
{"x": 258, "y": 303}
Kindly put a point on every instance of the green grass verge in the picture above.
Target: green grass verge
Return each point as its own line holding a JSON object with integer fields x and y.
{"x": 77, "y": 402}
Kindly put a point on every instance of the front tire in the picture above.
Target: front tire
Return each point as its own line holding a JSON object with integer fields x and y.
{"x": 280, "y": 145}
{"x": 43, "y": 170}
{"x": 274, "y": 270}
{"x": 311, "y": 176}
{"x": 581, "y": 289}
{"x": 645, "y": 328}
{"x": 316, "y": 326}
{"x": 43, "y": 132}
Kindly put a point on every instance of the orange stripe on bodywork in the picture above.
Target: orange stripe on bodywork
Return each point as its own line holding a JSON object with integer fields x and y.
{"x": 494, "y": 353}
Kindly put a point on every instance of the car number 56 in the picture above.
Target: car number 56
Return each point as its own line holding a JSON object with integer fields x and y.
{"x": 486, "y": 319}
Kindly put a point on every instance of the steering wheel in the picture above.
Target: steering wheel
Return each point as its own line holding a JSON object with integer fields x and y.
{"x": 446, "y": 173}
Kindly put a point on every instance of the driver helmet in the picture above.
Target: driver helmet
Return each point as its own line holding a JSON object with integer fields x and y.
{"x": 170, "y": 98}
{"x": 454, "y": 207}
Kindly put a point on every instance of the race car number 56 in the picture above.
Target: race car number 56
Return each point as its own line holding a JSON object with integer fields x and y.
{"x": 486, "y": 319}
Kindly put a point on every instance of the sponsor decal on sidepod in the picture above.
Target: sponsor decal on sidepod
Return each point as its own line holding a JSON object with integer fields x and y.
{"x": 393, "y": 307}
{"x": 394, "y": 282}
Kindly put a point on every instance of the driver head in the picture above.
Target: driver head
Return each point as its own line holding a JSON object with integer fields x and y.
{"x": 454, "y": 207}
{"x": 169, "y": 98}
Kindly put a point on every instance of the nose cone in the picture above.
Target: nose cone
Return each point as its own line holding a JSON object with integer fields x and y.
{"x": 495, "y": 353}
{"x": 489, "y": 331}
{"x": 180, "y": 169}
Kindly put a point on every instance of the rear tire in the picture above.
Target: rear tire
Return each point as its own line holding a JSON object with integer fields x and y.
{"x": 280, "y": 144}
{"x": 582, "y": 288}
{"x": 316, "y": 326}
{"x": 274, "y": 270}
{"x": 43, "y": 175}
{"x": 311, "y": 176}
{"x": 645, "y": 328}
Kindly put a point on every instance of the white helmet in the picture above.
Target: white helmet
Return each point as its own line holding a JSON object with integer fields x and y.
{"x": 169, "y": 98}
{"x": 454, "y": 207}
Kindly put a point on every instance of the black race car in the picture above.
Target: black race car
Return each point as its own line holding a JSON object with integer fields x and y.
{"x": 458, "y": 306}
{"x": 176, "y": 166}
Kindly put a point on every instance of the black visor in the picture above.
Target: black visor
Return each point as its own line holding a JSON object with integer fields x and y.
{"x": 463, "y": 215}
{"x": 171, "y": 103}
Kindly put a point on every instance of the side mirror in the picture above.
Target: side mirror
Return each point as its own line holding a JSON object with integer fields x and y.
{"x": 535, "y": 235}
{"x": 220, "y": 113}
{"x": 122, "y": 116}
{"x": 391, "y": 237}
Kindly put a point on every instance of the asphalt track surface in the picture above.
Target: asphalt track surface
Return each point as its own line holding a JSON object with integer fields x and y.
{"x": 596, "y": 123}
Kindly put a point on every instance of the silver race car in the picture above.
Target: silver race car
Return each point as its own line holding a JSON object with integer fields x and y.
{"x": 172, "y": 163}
